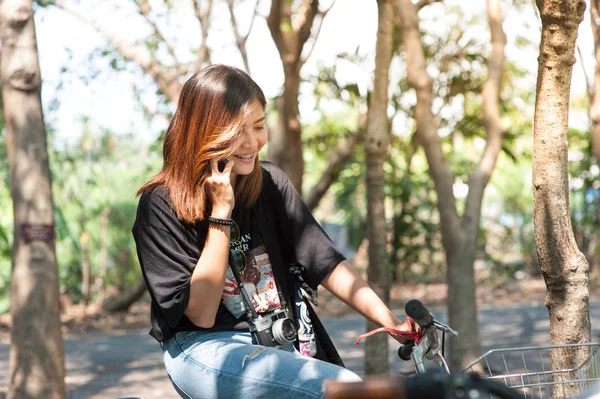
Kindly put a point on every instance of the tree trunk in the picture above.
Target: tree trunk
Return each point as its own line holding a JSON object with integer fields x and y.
{"x": 377, "y": 143}
{"x": 462, "y": 301}
{"x": 289, "y": 148}
{"x": 36, "y": 355}
{"x": 290, "y": 35}
{"x": 439, "y": 170}
{"x": 459, "y": 236}
{"x": 563, "y": 266}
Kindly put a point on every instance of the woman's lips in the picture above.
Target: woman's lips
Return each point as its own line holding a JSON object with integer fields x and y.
{"x": 245, "y": 159}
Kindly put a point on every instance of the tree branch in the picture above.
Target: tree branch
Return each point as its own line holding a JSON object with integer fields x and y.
{"x": 144, "y": 10}
{"x": 308, "y": 11}
{"x": 239, "y": 39}
{"x": 167, "y": 81}
{"x": 426, "y": 133}
{"x": 274, "y": 23}
{"x": 323, "y": 14}
{"x": 341, "y": 156}
{"x": 588, "y": 84}
{"x": 419, "y": 5}
{"x": 491, "y": 121}
{"x": 422, "y": 3}
{"x": 203, "y": 17}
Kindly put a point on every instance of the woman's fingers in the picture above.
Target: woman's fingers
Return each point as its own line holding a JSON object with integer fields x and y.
{"x": 219, "y": 187}
{"x": 213, "y": 165}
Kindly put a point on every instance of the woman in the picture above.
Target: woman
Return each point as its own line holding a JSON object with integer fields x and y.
{"x": 197, "y": 214}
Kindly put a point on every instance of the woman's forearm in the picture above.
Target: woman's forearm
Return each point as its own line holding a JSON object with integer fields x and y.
{"x": 345, "y": 283}
{"x": 208, "y": 278}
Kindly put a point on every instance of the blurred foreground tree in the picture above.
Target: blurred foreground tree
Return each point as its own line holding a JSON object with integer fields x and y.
{"x": 564, "y": 267}
{"x": 37, "y": 355}
{"x": 459, "y": 236}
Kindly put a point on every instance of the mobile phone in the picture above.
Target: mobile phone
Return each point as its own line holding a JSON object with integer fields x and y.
{"x": 221, "y": 164}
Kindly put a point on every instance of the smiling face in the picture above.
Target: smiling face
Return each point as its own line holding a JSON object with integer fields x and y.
{"x": 250, "y": 142}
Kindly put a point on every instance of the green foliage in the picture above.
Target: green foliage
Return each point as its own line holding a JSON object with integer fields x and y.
{"x": 96, "y": 179}
{"x": 415, "y": 240}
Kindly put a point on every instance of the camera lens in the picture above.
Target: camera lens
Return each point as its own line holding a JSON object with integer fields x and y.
{"x": 288, "y": 329}
{"x": 284, "y": 331}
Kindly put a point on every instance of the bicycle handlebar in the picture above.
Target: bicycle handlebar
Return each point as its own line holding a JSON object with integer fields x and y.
{"x": 405, "y": 350}
{"x": 419, "y": 313}
{"x": 429, "y": 345}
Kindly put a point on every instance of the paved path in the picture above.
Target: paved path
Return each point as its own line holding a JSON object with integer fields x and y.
{"x": 130, "y": 363}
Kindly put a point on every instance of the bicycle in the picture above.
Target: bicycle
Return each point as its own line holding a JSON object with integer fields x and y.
{"x": 436, "y": 382}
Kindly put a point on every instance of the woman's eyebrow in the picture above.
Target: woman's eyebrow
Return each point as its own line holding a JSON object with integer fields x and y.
{"x": 259, "y": 120}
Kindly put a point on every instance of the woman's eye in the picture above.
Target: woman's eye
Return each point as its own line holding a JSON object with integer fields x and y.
{"x": 259, "y": 128}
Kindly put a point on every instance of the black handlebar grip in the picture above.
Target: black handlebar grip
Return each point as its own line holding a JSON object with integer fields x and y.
{"x": 405, "y": 350}
{"x": 419, "y": 313}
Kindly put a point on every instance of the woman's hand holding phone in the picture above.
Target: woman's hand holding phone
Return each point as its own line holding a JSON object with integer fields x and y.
{"x": 219, "y": 189}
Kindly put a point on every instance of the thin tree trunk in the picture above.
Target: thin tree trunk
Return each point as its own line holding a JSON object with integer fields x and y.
{"x": 290, "y": 35}
{"x": 291, "y": 158}
{"x": 564, "y": 267}
{"x": 462, "y": 303}
{"x": 36, "y": 353}
{"x": 377, "y": 144}
{"x": 459, "y": 235}
{"x": 427, "y": 135}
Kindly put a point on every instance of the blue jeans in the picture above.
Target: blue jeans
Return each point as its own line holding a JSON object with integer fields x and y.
{"x": 225, "y": 364}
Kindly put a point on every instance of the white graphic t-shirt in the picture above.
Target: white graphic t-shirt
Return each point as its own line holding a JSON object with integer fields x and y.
{"x": 256, "y": 274}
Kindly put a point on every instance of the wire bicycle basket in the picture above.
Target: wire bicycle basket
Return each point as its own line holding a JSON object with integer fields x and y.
{"x": 530, "y": 369}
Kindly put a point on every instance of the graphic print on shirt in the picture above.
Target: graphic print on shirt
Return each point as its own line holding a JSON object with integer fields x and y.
{"x": 256, "y": 275}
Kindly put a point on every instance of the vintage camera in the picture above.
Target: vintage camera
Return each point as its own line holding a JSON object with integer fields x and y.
{"x": 274, "y": 328}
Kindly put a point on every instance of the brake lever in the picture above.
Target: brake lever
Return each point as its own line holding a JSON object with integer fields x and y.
{"x": 445, "y": 328}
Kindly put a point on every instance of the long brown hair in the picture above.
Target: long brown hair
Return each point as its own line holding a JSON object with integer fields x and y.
{"x": 212, "y": 109}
